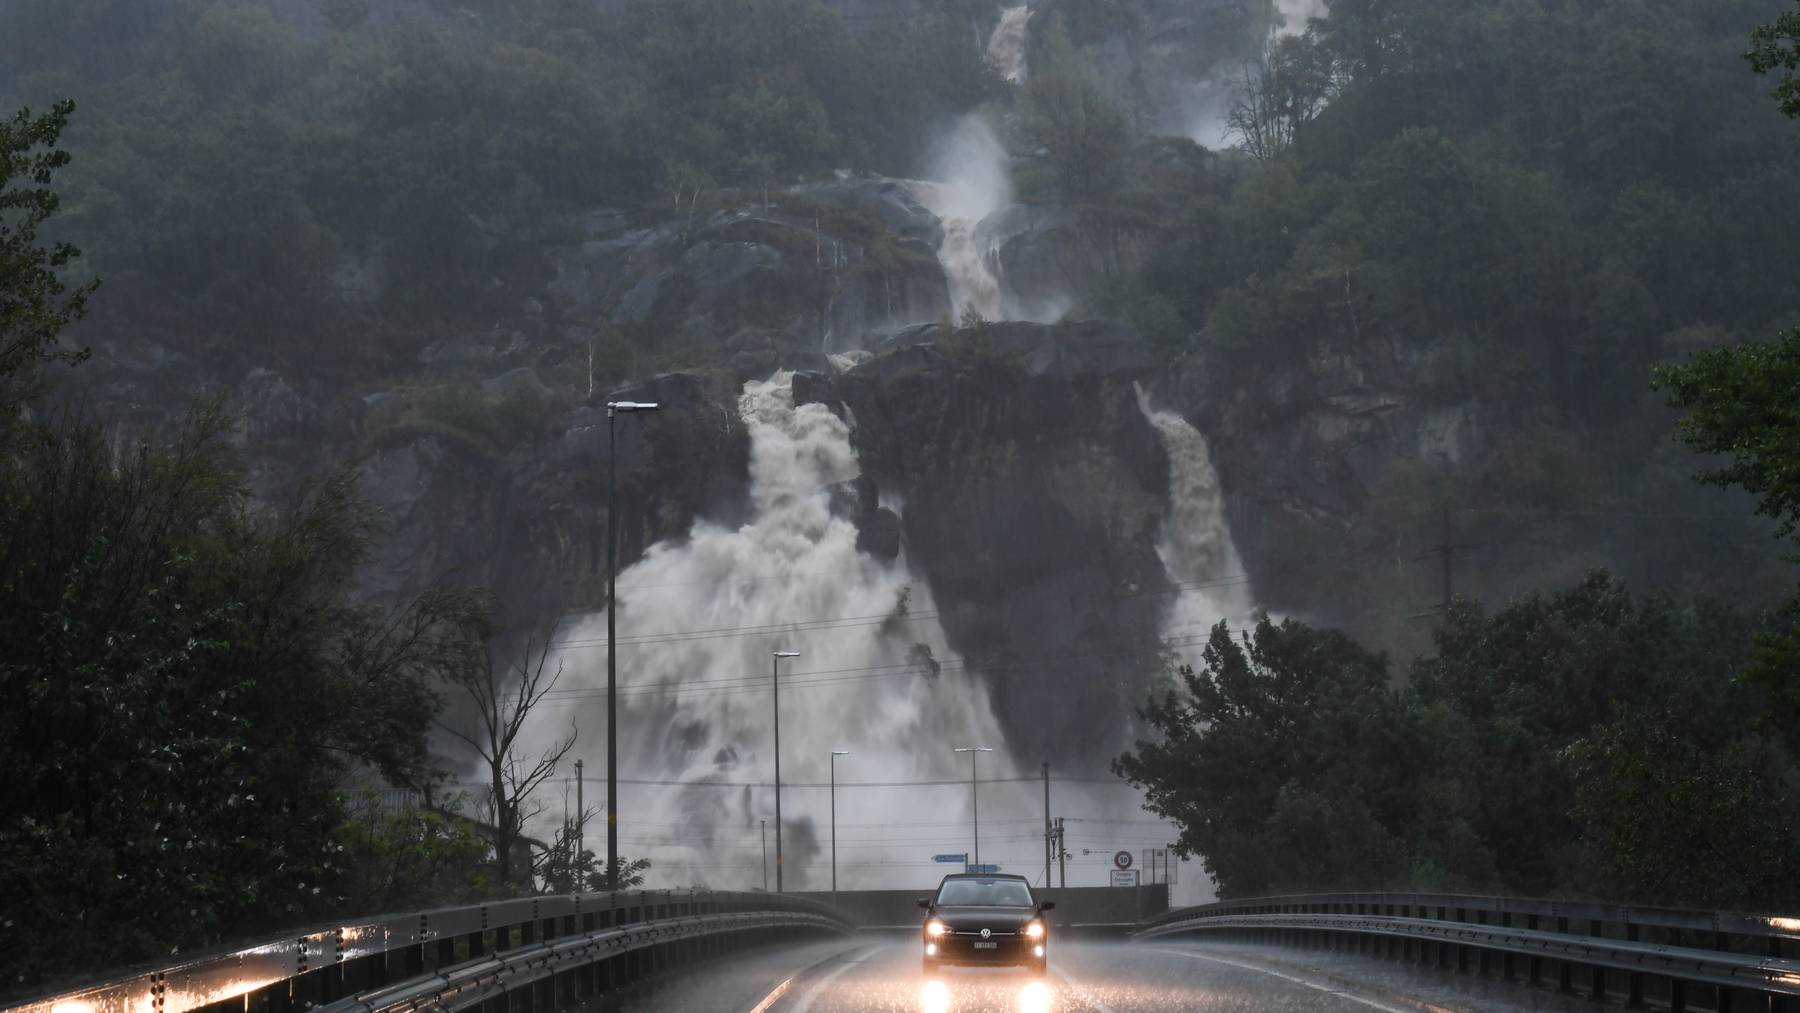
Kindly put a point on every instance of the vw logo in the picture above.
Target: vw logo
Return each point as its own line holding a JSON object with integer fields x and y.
{"x": 985, "y": 933}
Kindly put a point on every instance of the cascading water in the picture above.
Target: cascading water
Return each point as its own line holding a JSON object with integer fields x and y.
{"x": 971, "y": 181}
{"x": 1195, "y": 543}
{"x": 1296, "y": 13}
{"x": 698, "y": 619}
{"x": 1006, "y": 47}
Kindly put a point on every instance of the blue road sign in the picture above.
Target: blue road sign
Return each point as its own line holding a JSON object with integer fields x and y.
{"x": 985, "y": 870}
{"x": 949, "y": 858}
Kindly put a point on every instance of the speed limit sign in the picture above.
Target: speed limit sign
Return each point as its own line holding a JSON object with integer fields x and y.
{"x": 1122, "y": 860}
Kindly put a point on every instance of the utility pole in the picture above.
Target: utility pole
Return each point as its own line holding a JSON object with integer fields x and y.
{"x": 613, "y": 408}
{"x": 1062, "y": 854}
{"x": 1449, "y": 550}
{"x": 580, "y": 815}
{"x": 765, "y": 840}
{"x": 975, "y": 794}
{"x": 1046, "y": 824}
{"x": 775, "y": 680}
{"x": 1446, "y": 551}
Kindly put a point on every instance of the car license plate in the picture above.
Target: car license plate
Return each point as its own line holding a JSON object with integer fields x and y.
{"x": 987, "y": 946}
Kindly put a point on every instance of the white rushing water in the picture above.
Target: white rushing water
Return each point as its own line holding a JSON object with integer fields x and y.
{"x": 698, "y": 619}
{"x": 971, "y": 179}
{"x": 1195, "y": 542}
{"x": 1296, "y": 13}
{"x": 1006, "y": 47}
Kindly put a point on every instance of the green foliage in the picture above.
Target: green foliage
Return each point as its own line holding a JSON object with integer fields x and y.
{"x": 1743, "y": 401}
{"x": 1271, "y": 740}
{"x": 408, "y": 858}
{"x": 1519, "y": 758}
{"x": 240, "y": 162}
{"x": 35, "y": 304}
{"x": 168, "y": 650}
{"x": 1776, "y": 46}
{"x": 1069, "y": 113}
{"x": 1667, "y": 819}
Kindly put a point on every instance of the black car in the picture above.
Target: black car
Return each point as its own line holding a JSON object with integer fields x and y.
{"x": 985, "y": 919}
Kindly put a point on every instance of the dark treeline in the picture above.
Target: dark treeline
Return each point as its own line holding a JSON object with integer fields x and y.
{"x": 236, "y": 153}
{"x": 1589, "y": 742}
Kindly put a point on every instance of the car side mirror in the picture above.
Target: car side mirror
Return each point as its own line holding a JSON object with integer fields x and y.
{"x": 925, "y": 902}
{"x": 1046, "y": 905}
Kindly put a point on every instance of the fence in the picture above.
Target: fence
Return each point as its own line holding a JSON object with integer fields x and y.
{"x": 533, "y": 953}
{"x": 1685, "y": 959}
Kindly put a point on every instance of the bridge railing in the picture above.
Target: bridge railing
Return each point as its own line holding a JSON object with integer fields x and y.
{"x": 555, "y": 949}
{"x": 1683, "y": 958}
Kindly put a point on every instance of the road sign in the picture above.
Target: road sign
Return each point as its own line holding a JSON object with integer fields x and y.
{"x": 1124, "y": 877}
{"x": 1160, "y": 866}
{"x": 1122, "y": 860}
{"x": 985, "y": 870}
{"x": 949, "y": 858}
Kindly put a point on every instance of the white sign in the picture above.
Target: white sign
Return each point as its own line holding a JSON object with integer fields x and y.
{"x": 1124, "y": 877}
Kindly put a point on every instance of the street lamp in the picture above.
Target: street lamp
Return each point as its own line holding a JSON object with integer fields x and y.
{"x": 975, "y": 793}
{"x": 765, "y": 840}
{"x": 613, "y": 408}
{"x": 775, "y": 660}
{"x": 835, "y": 753}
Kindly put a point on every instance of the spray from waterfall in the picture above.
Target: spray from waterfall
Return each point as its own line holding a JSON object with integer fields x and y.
{"x": 1006, "y": 48}
{"x": 970, "y": 180}
{"x": 1296, "y": 13}
{"x": 699, "y": 618}
{"x": 1195, "y": 543}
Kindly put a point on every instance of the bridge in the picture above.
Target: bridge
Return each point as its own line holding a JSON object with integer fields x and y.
{"x": 1115, "y": 949}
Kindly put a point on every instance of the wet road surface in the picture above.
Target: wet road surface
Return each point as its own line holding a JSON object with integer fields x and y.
{"x": 882, "y": 973}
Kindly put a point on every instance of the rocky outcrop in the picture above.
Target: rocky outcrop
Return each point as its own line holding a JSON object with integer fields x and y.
{"x": 1033, "y": 488}
{"x": 531, "y": 524}
{"x": 825, "y": 267}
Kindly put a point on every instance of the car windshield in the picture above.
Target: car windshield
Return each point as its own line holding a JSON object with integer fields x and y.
{"x": 985, "y": 893}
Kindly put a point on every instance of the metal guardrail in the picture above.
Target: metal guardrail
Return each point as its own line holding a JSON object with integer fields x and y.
{"x": 1613, "y": 952}
{"x": 584, "y": 943}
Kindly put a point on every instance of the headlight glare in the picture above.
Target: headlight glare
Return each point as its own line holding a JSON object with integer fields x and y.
{"x": 1034, "y": 930}
{"x": 934, "y": 929}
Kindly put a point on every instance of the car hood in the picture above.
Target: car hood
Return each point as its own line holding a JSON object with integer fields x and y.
{"x": 974, "y": 919}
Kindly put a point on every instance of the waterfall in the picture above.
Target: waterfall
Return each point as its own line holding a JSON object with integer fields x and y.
{"x": 1296, "y": 13}
{"x": 971, "y": 180}
{"x": 1195, "y": 542}
{"x": 698, "y": 619}
{"x": 1006, "y": 48}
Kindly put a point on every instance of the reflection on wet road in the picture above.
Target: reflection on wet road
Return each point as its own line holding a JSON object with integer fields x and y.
{"x": 882, "y": 973}
{"x": 1093, "y": 978}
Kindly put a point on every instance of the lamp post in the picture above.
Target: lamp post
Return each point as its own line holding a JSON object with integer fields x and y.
{"x": 765, "y": 840}
{"x": 775, "y": 660}
{"x": 613, "y": 408}
{"x": 835, "y": 753}
{"x": 975, "y": 793}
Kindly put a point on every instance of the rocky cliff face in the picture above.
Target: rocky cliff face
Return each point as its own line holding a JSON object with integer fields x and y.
{"x": 1009, "y": 463}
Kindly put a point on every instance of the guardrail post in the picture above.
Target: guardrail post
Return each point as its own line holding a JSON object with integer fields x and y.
{"x": 1534, "y": 965}
{"x": 1677, "y": 995}
{"x": 1634, "y": 980}
{"x": 1565, "y": 972}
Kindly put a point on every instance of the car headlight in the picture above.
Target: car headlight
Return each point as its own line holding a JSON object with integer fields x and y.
{"x": 1034, "y": 930}
{"x": 935, "y": 929}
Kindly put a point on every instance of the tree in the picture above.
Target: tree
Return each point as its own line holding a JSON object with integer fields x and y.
{"x": 1670, "y": 821}
{"x": 35, "y": 304}
{"x": 503, "y": 697}
{"x": 1743, "y": 402}
{"x": 1069, "y": 114}
{"x": 190, "y": 691}
{"x": 1285, "y": 88}
{"x": 1776, "y": 46}
{"x": 409, "y": 857}
{"x": 1276, "y": 738}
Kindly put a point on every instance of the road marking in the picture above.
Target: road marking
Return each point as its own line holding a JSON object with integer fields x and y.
{"x": 772, "y": 997}
{"x": 1086, "y": 997}
{"x": 812, "y": 994}
{"x": 1329, "y": 990}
